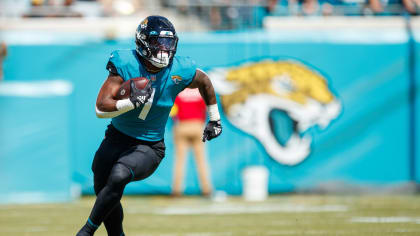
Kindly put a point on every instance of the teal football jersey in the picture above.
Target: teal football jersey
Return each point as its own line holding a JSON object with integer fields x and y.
{"x": 149, "y": 120}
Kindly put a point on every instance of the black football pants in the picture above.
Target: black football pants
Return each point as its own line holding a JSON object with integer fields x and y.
{"x": 119, "y": 160}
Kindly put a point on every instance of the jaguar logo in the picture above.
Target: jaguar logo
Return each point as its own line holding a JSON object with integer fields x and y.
{"x": 143, "y": 24}
{"x": 276, "y": 102}
{"x": 176, "y": 79}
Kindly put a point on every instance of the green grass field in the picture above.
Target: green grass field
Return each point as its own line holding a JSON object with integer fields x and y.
{"x": 195, "y": 216}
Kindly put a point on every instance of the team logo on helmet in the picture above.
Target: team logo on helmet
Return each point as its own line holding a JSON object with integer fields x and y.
{"x": 268, "y": 97}
{"x": 143, "y": 24}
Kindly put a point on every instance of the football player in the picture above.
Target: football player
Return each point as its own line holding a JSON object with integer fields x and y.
{"x": 133, "y": 145}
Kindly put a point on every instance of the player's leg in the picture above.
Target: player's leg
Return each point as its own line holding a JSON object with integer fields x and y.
{"x": 136, "y": 164}
{"x": 144, "y": 160}
{"x": 105, "y": 158}
{"x": 200, "y": 159}
{"x": 113, "y": 222}
{"x": 109, "y": 197}
{"x": 181, "y": 147}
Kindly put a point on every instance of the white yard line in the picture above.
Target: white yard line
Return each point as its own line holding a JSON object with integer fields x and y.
{"x": 386, "y": 220}
{"x": 220, "y": 209}
{"x": 304, "y": 232}
{"x": 191, "y": 234}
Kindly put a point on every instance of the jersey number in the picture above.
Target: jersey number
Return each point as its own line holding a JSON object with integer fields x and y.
{"x": 147, "y": 106}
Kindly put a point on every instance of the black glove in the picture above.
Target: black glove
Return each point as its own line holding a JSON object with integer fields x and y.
{"x": 140, "y": 96}
{"x": 212, "y": 130}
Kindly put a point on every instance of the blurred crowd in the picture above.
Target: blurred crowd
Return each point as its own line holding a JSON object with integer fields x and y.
{"x": 74, "y": 8}
{"x": 237, "y": 14}
{"x": 217, "y": 14}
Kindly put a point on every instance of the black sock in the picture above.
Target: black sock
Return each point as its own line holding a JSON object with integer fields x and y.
{"x": 88, "y": 229}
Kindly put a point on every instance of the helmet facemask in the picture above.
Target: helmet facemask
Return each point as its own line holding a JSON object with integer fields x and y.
{"x": 162, "y": 50}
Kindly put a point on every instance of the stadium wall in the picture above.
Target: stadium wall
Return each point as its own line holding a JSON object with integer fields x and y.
{"x": 350, "y": 120}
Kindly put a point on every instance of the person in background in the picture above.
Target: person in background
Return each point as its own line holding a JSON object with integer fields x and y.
{"x": 52, "y": 8}
{"x": 189, "y": 113}
{"x": 389, "y": 7}
{"x": 311, "y": 8}
{"x": 412, "y": 6}
{"x": 3, "y": 54}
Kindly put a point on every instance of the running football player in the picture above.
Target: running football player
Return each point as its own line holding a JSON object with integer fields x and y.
{"x": 133, "y": 145}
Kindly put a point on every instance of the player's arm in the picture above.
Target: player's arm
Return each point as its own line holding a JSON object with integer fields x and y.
{"x": 204, "y": 85}
{"x": 106, "y": 104}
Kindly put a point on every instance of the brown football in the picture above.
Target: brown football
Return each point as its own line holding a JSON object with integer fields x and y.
{"x": 124, "y": 91}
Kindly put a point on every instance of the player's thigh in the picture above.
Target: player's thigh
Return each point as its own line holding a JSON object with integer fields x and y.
{"x": 143, "y": 160}
{"x": 105, "y": 158}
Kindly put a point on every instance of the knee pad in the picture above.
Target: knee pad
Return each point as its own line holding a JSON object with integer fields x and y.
{"x": 120, "y": 175}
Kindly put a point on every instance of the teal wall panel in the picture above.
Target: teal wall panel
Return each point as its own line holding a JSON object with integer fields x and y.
{"x": 367, "y": 142}
{"x": 35, "y": 163}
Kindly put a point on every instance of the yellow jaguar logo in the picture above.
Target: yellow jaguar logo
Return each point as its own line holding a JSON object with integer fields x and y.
{"x": 250, "y": 93}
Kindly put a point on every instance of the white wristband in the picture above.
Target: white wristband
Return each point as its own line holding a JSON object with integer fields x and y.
{"x": 124, "y": 105}
{"x": 213, "y": 111}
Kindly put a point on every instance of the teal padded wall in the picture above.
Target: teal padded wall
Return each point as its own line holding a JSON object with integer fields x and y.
{"x": 367, "y": 143}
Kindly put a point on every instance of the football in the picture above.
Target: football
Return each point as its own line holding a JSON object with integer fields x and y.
{"x": 124, "y": 91}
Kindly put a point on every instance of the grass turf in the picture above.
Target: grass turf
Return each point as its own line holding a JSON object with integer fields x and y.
{"x": 195, "y": 216}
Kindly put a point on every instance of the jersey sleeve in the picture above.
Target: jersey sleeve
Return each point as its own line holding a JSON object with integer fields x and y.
{"x": 189, "y": 68}
{"x": 114, "y": 64}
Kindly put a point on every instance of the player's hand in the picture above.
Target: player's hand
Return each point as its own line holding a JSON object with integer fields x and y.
{"x": 212, "y": 130}
{"x": 140, "y": 96}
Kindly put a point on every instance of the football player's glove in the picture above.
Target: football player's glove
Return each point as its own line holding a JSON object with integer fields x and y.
{"x": 212, "y": 130}
{"x": 140, "y": 96}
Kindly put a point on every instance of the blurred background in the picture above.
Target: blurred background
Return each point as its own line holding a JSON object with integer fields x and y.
{"x": 315, "y": 96}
